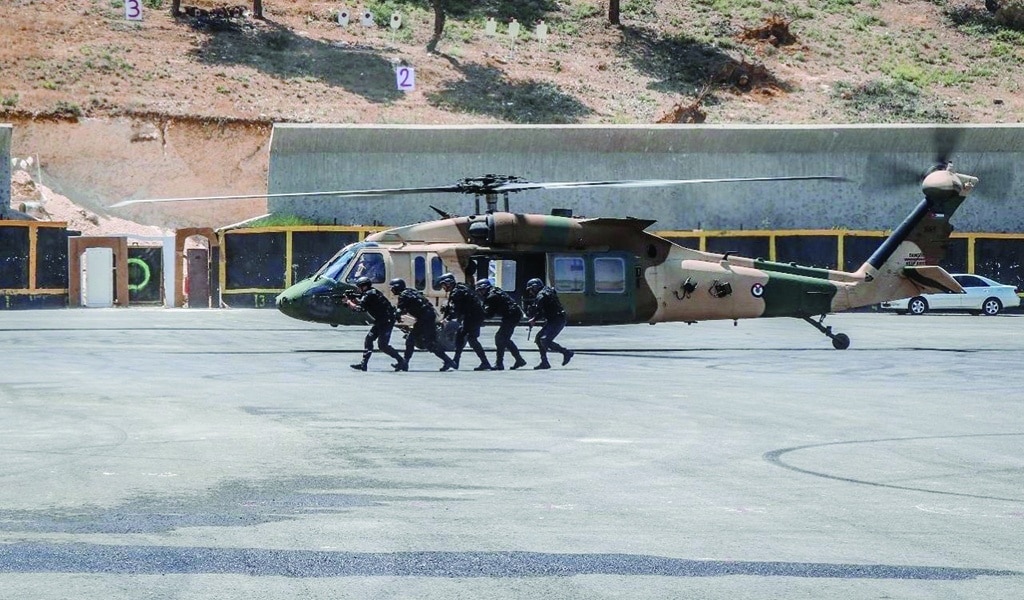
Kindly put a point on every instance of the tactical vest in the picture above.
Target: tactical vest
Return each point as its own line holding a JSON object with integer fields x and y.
{"x": 416, "y": 304}
{"x": 465, "y": 303}
{"x": 503, "y": 304}
{"x": 377, "y": 306}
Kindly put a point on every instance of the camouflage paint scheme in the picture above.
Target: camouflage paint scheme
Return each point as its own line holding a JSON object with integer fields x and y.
{"x": 672, "y": 282}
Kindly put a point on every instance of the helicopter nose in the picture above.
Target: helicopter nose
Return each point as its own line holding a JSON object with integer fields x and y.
{"x": 289, "y": 304}
{"x": 311, "y": 300}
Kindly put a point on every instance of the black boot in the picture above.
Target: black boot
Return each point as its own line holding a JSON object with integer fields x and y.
{"x": 485, "y": 365}
{"x": 567, "y": 356}
{"x": 520, "y": 361}
{"x": 448, "y": 363}
{"x": 400, "y": 363}
{"x": 544, "y": 364}
{"x": 361, "y": 366}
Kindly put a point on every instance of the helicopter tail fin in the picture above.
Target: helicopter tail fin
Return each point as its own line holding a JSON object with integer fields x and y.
{"x": 906, "y": 263}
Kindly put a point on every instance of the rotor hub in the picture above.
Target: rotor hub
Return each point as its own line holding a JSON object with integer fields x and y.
{"x": 487, "y": 184}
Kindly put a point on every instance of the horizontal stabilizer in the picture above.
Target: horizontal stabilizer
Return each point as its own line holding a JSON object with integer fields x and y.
{"x": 932, "y": 279}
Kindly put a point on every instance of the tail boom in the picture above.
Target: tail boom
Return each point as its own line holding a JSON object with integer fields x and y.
{"x": 907, "y": 262}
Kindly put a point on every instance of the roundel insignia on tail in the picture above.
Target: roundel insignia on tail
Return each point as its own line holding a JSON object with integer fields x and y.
{"x": 757, "y": 290}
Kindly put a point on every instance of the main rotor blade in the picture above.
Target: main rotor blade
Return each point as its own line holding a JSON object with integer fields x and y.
{"x": 470, "y": 188}
{"x": 338, "y": 193}
{"x": 633, "y": 183}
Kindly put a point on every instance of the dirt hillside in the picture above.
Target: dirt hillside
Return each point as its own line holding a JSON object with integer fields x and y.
{"x": 174, "y": 106}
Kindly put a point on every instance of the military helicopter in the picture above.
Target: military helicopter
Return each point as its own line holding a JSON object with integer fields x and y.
{"x": 613, "y": 271}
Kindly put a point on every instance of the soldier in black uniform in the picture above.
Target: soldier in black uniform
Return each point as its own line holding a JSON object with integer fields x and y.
{"x": 376, "y": 304}
{"x": 546, "y": 305}
{"x": 465, "y": 307}
{"x": 498, "y": 302}
{"x": 413, "y": 303}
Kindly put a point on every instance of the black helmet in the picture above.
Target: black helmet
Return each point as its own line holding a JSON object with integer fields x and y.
{"x": 446, "y": 279}
{"x": 363, "y": 282}
{"x": 397, "y": 285}
{"x": 483, "y": 285}
{"x": 534, "y": 285}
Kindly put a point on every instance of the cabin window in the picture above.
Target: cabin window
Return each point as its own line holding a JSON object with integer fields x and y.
{"x": 503, "y": 274}
{"x": 436, "y": 271}
{"x": 569, "y": 274}
{"x": 369, "y": 264}
{"x": 609, "y": 275}
{"x": 419, "y": 272}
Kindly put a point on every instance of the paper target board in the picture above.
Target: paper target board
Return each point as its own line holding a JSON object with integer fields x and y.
{"x": 133, "y": 10}
{"x": 405, "y": 78}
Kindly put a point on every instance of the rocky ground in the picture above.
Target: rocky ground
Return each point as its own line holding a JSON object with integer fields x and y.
{"x": 42, "y": 203}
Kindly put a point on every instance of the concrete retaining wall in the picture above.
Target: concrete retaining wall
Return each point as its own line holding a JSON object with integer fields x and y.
{"x": 5, "y": 166}
{"x": 883, "y": 164}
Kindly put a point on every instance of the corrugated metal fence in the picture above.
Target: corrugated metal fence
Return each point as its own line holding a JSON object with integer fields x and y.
{"x": 258, "y": 263}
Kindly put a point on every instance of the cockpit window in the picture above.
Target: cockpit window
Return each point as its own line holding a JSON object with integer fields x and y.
{"x": 336, "y": 266}
{"x": 369, "y": 264}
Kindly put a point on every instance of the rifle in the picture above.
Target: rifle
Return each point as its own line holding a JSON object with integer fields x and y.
{"x": 351, "y": 295}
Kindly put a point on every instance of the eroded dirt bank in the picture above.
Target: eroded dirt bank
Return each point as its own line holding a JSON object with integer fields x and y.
{"x": 97, "y": 162}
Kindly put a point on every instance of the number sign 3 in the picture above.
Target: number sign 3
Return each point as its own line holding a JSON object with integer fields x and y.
{"x": 133, "y": 10}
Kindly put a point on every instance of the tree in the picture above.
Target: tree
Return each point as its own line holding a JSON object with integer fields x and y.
{"x": 613, "y": 12}
{"x": 439, "y": 18}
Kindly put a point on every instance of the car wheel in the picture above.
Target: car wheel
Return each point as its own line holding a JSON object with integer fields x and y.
{"x": 917, "y": 306}
{"x": 991, "y": 307}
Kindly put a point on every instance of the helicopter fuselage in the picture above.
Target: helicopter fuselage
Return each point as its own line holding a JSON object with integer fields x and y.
{"x": 606, "y": 270}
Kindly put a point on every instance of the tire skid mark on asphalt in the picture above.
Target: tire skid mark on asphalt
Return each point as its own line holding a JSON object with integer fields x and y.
{"x": 775, "y": 457}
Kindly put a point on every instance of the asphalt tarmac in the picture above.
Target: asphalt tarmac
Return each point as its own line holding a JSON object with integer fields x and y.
{"x": 156, "y": 453}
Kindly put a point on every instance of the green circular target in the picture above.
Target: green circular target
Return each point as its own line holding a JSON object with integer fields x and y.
{"x": 134, "y": 287}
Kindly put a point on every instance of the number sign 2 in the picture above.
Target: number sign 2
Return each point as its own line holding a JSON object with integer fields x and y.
{"x": 405, "y": 77}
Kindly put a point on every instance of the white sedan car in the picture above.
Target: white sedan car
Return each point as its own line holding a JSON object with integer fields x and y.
{"x": 983, "y": 296}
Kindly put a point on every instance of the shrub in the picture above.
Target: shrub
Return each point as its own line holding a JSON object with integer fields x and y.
{"x": 1011, "y": 14}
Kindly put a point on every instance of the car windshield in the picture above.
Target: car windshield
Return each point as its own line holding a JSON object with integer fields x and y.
{"x": 333, "y": 268}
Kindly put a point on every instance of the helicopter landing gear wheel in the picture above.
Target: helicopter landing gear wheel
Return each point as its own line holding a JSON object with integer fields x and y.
{"x": 840, "y": 341}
